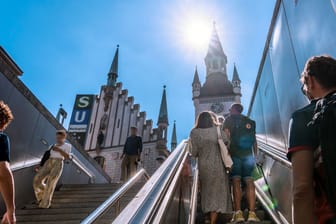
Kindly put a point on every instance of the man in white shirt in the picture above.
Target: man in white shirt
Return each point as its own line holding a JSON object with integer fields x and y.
{"x": 47, "y": 177}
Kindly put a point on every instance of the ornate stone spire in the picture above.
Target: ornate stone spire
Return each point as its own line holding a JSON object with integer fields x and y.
{"x": 163, "y": 115}
{"x": 174, "y": 138}
{"x": 235, "y": 76}
{"x": 215, "y": 59}
{"x": 196, "y": 77}
{"x": 113, "y": 72}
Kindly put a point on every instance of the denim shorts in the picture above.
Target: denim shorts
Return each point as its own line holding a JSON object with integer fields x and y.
{"x": 243, "y": 167}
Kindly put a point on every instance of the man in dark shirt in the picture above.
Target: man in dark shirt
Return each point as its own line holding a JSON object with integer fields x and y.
{"x": 131, "y": 154}
{"x": 309, "y": 198}
{"x": 6, "y": 176}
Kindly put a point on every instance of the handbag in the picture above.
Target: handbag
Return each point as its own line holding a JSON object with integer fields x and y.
{"x": 226, "y": 158}
{"x": 46, "y": 156}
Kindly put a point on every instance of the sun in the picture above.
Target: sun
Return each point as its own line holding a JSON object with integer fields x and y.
{"x": 196, "y": 33}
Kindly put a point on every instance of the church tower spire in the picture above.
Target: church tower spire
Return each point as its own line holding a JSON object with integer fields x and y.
{"x": 236, "y": 84}
{"x": 216, "y": 59}
{"x": 163, "y": 115}
{"x": 163, "y": 121}
{"x": 113, "y": 72}
{"x": 174, "y": 138}
{"x": 196, "y": 85}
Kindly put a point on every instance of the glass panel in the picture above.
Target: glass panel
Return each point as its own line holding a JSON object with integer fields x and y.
{"x": 285, "y": 72}
{"x": 312, "y": 27}
{"x": 266, "y": 89}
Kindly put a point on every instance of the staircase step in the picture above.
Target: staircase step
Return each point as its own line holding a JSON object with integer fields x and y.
{"x": 72, "y": 203}
{"x": 51, "y": 222}
{"x": 53, "y": 211}
{"x": 47, "y": 217}
{"x": 68, "y": 205}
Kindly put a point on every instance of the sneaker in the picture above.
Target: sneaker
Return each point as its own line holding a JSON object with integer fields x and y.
{"x": 238, "y": 217}
{"x": 252, "y": 217}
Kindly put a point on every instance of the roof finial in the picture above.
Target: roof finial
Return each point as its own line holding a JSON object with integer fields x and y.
{"x": 164, "y": 86}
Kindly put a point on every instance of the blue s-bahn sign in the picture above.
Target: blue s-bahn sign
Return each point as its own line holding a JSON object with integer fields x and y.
{"x": 80, "y": 117}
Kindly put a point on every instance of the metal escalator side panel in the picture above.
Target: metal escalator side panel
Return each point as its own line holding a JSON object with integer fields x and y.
{"x": 137, "y": 211}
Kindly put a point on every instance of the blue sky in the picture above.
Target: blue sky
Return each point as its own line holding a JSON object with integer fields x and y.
{"x": 65, "y": 47}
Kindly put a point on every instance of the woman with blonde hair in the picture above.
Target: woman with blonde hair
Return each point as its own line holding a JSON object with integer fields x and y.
{"x": 215, "y": 193}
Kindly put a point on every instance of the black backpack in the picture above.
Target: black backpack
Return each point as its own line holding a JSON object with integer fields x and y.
{"x": 243, "y": 132}
{"x": 325, "y": 120}
{"x": 46, "y": 156}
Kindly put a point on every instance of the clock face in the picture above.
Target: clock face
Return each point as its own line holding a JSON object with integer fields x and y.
{"x": 217, "y": 108}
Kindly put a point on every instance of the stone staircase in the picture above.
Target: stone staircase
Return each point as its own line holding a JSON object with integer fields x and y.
{"x": 72, "y": 203}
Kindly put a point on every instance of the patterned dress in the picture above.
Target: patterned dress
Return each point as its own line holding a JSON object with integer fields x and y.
{"x": 215, "y": 193}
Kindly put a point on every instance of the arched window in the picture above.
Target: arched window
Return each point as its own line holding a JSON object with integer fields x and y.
{"x": 100, "y": 160}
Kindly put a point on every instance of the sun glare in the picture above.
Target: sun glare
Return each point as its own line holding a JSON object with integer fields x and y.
{"x": 196, "y": 33}
{"x": 190, "y": 27}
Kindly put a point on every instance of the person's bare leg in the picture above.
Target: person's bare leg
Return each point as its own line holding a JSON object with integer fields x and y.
{"x": 250, "y": 194}
{"x": 237, "y": 193}
{"x": 8, "y": 192}
{"x": 213, "y": 217}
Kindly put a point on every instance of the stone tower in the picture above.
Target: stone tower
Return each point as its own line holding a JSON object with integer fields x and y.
{"x": 218, "y": 92}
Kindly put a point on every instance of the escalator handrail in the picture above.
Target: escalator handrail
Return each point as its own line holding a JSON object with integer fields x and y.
{"x": 194, "y": 196}
{"x": 144, "y": 205}
{"x": 276, "y": 154}
{"x": 168, "y": 195}
{"x": 267, "y": 204}
{"x": 113, "y": 199}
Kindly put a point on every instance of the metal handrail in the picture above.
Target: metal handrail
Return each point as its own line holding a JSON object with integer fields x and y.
{"x": 115, "y": 198}
{"x": 274, "y": 153}
{"x": 82, "y": 167}
{"x": 168, "y": 195}
{"x": 267, "y": 204}
{"x": 194, "y": 194}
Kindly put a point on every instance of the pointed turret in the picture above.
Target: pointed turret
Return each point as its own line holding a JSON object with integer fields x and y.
{"x": 235, "y": 76}
{"x": 236, "y": 84}
{"x": 174, "y": 138}
{"x": 196, "y": 77}
{"x": 163, "y": 116}
{"x": 163, "y": 122}
{"x": 215, "y": 59}
{"x": 196, "y": 85}
{"x": 113, "y": 72}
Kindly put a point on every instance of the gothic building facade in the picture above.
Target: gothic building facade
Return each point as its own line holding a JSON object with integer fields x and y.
{"x": 218, "y": 92}
{"x": 113, "y": 114}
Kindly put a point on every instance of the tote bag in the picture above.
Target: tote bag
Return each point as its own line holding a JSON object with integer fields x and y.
{"x": 226, "y": 158}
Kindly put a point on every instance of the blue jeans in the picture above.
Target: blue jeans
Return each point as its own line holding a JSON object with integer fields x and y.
{"x": 243, "y": 167}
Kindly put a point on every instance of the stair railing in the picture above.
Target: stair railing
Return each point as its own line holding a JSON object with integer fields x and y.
{"x": 115, "y": 198}
{"x": 82, "y": 167}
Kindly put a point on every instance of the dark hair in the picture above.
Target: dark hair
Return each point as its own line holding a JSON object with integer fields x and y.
{"x": 61, "y": 132}
{"x": 237, "y": 107}
{"x": 205, "y": 120}
{"x": 323, "y": 68}
{"x": 6, "y": 115}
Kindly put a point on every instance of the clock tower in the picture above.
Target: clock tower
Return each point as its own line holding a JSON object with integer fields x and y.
{"x": 218, "y": 92}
